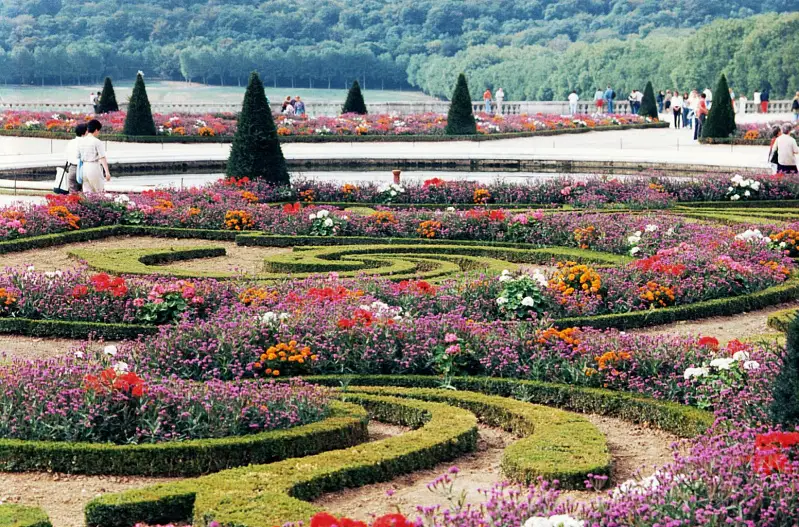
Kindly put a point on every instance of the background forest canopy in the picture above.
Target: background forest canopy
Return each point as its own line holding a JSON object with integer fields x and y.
{"x": 534, "y": 49}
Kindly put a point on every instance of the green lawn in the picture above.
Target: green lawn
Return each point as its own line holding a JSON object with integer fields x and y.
{"x": 178, "y": 92}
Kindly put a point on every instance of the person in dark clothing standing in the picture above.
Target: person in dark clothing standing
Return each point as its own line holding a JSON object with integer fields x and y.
{"x": 764, "y": 95}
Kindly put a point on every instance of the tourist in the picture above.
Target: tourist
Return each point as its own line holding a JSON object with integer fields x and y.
{"x": 742, "y": 103}
{"x": 639, "y": 99}
{"x": 772, "y": 153}
{"x": 676, "y": 108}
{"x": 667, "y": 102}
{"x": 289, "y": 109}
{"x": 795, "y": 107}
{"x": 94, "y": 165}
{"x": 73, "y": 160}
{"x": 487, "y": 100}
{"x": 764, "y": 96}
{"x": 599, "y": 100}
{"x": 756, "y": 100}
{"x": 786, "y": 150}
{"x": 286, "y": 102}
{"x": 632, "y": 99}
{"x": 500, "y": 97}
{"x": 701, "y": 115}
{"x": 94, "y": 100}
{"x": 708, "y": 97}
{"x": 609, "y": 96}
{"x": 299, "y": 107}
{"x": 573, "y": 98}
{"x": 686, "y": 109}
{"x": 660, "y": 97}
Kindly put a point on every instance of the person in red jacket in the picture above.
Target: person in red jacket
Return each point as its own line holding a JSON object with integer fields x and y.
{"x": 701, "y": 114}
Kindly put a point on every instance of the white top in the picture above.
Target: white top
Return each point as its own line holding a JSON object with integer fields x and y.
{"x": 573, "y": 97}
{"x": 786, "y": 150}
{"x": 639, "y": 96}
{"x": 599, "y": 95}
{"x": 756, "y": 97}
{"x": 709, "y": 94}
{"x": 72, "y": 150}
{"x": 677, "y": 101}
{"x": 91, "y": 149}
{"x": 500, "y": 94}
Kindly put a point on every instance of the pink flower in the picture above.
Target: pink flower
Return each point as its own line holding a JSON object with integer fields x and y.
{"x": 521, "y": 218}
{"x": 538, "y": 215}
{"x": 565, "y": 191}
{"x": 138, "y": 302}
{"x": 454, "y": 349}
{"x": 449, "y": 338}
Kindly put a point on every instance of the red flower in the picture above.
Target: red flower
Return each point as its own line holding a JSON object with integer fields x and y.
{"x": 79, "y": 291}
{"x": 324, "y": 519}
{"x": 392, "y": 520}
{"x": 345, "y": 323}
{"x": 709, "y": 342}
{"x": 435, "y": 182}
{"x": 735, "y": 346}
{"x": 288, "y": 208}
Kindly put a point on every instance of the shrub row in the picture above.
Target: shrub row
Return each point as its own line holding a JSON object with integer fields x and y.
{"x": 754, "y": 204}
{"x": 141, "y": 261}
{"x": 556, "y": 444}
{"x": 678, "y": 419}
{"x": 43, "y": 134}
{"x": 709, "y": 308}
{"x": 69, "y": 329}
{"x": 345, "y": 427}
{"x": 21, "y": 516}
{"x": 780, "y": 320}
{"x": 732, "y": 219}
{"x": 268, "y": 495}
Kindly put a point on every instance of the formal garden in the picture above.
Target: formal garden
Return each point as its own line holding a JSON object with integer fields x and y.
{"x": 268, "y": 350}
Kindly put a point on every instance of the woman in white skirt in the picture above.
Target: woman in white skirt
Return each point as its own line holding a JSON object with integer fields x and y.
{"x": 92, "y": 154}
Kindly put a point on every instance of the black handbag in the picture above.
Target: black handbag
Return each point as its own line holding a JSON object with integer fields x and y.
{"x": 774, "y": 157}
{"x": 57, "y": 189}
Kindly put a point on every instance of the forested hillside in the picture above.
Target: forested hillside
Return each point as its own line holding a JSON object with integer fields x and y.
{"x": 534, "y": 48}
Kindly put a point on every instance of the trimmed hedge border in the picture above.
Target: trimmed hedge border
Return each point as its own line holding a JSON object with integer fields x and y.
{"x": 267, "y": 495}
{"x": 23, "y": 516}
{"x": 780, "y": 320}
{"x": 344, "y": 427}
{"x": 777, "y": 294}
{"x": 262, "y": 496}
{"x": 739, "y": 141}
{"x": 171, "y": 139}
{"x": 556, "y": 444}
{"x": 754, "y": 204}
{"x": 70, "y": 329}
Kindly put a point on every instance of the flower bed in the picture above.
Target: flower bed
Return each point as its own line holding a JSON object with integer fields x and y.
{"x": 754, "y": 133}
{"x": 222, "y": 127}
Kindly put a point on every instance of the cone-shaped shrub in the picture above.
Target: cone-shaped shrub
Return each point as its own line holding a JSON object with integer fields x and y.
{"x": 354, "y": 102}
{"x": 256, "y": 151}
{"x": 139, "y": 120}
{"x": 785, "y": 408}
{"x": 648, "y": 107}
{"x": 460, "y": 119}
{"x": 720, "y": 121}
{"x": 108, "y": 99}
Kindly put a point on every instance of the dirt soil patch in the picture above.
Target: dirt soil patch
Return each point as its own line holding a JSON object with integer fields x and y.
{"x": 14, "y": 346}
{"x": 247, "y": 260}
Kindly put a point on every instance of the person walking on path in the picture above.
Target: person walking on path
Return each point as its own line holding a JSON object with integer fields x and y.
{"x": 660, "y": 97}
{"x": 500, "y": 97}
{"x": 573, "y": 98}
{"x": 609, "y": 96}
{"x": 94, "y": 165}
{"x": 633, "y": 100}
{"x": 487, "y": 100}
{"x": 795, "y": 107}
{"x": 772, "y": 153}
{"x": 686, "y": 109}
{"x": 701, "y": 114}
{"x": 764, "y": 96}
{"x": 786, "y": 150}
{"x": 599, "y": 100}
{"x": 73, "y": 159}
{"x": 676, "y": 108}
{"x": 667, "y": 103}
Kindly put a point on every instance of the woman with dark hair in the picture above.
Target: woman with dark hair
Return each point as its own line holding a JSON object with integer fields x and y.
{"x": 772, "y": 152}
{"x": 72, "y": 159}
{"x": 94, "y": 165}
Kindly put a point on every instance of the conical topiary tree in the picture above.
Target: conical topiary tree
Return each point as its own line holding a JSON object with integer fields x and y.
{"x": 139, "y": 120}
{"x": 108, "y": 99}
{"x": 354, "y": 102}
{"x": 720, "y": 122}
{"x": 785, "y": 407}
{"x": 256, "y": 151}
{"x": 649, "y": 107}
{"x": 460, "y": 119}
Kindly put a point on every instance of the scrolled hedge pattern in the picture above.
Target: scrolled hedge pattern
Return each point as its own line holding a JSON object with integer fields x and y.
{"x": 346, "y": 426}
{"x": 21, "y": 516}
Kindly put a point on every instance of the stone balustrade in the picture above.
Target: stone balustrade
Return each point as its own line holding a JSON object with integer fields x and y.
{"x": 315, "y": 109}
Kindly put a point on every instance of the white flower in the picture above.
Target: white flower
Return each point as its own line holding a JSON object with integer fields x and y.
{"x": 501, "y": 301}
{"x": 747, "y": 194}
{"x": 393, "y": 193}
{"x": 752, "y": 235}
{"x": 528, "y": 301}
{"x": 31, "y": 268}
{"x": 328, "y": 222}
{"x": 539, "y": 277}
{"x": 737, "y": 179}
{"x": 695, "y": 372}
{"x": 53, "y": 274}
{"x": 323, "y": 214}
{"x": 559, "y": 520}
{"x": 729, "y": 189}
{"x": 735, "y": 197}
{"x": 121, "y": 368}
{"x": 722, "y": 363}
{"x": 110, "y": 350}
{"x": 755, "y": 186}
{"x": 634, "y": 251}
{"x": 450, "y": 209}
{"x": 740, "y": 355}
{"x": 121, "y": 199}
{"x": 633, "y": 240}
{"x": 79, "y": 355}
{"x": 311, "y": 216}
{"x": 505, "y": 278}
{"x": 670, "y": 231}
{"x": 284, "y": 316}
{"x": 783, "y": 245}
{"x": 651, "y": 228}
{"x": 751, "y": 365}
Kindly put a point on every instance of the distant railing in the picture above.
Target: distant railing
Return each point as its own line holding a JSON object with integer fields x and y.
{"x": 316, "y": 109}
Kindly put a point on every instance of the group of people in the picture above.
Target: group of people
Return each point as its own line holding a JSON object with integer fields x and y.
{"x": 783, "y": 152}
{"x": 688, "y": 110}
{"x": 488, "y": 99}
{"x": 94, "y": 100}
{"x": 293, "y": 107}
{"x": 86, "y": 168}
